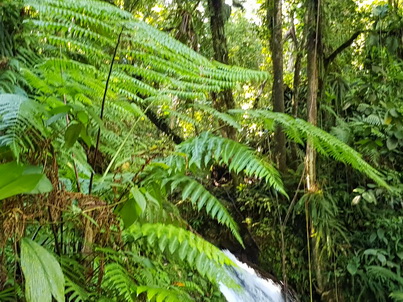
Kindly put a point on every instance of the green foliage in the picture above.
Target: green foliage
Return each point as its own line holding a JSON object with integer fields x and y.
{"x": 377, "y": 265}
{"x": 397, "y": 296}
{"x": 10, "y": 25}
{"x": 301, "y": 131}
{"x": 75, "y": 292}
{"x": 194, "y": 191}
{"x": 16, "y": 179}
{"x": 178, "y": 70}
{"x": 119, "y": 279}
{"x": 62, "y": 58}
{"x": 19, "y": 116}
{"x": 43, "y": 276}
{"x": 7, "y": 295}
{"x": 206, "y": 149}
{"x": 205, "y": 257}
{"x": 161, "y": 294}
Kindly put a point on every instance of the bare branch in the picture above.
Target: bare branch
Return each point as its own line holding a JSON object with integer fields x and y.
{"x": 343, "y": 46}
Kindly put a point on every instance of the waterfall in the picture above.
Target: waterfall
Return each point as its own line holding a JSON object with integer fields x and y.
{"x": 253, "y": 287}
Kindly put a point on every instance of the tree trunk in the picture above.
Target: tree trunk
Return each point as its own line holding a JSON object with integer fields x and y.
{"x": 274, "y": 16}
{"x": 314, "y": 61}
{"x": 224, "y": 100}
{"x": 313, "y": 49}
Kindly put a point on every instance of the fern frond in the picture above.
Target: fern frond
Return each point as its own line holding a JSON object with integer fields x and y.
{"x": 184, "y": 117}
{"x": 384, "y": 273}
{"x": 170, "y": 177}
{"x": 373, "y": 119}
{"x": 325, "y": 143}
{"x": 72, "y": 269}
{"x": 397, "y": 296}
{"x": 117, "y": 279}
{"x": 193, "y": 286}
{"x": 202, "y": 198}
{"x": 8, "y": 294}
{"x": 74, "y": 292}
{"x": 18, "y": 117}
{"x": 154, "y": 56}
{"x": 205, "y": 148}
{"x": 163, "y": 294}
{"x": 226, "y": 118}
{"x": 201, "y": 255}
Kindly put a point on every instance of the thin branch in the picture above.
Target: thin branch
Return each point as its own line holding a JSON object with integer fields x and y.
{"x": 102, "y": 111}
{"x": 342, "y": 47}
{"x": 293, "y": 200}
{"x": 162, "y": 125}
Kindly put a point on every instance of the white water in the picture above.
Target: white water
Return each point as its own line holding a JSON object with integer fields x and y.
{"x": 253, "y": 287}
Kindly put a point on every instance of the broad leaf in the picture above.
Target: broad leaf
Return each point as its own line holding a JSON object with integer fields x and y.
{"x": 17, "y": 179}
{"x": 72, "y": 134}
{"x": 352, "y": 268}
{"x": 133, "y": 208}
{"x": 43, "y": 274}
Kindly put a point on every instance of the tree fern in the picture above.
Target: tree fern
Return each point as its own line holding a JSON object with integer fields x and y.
{"x": 224, "y": 117}
{"x": 202, "y": 152}
{"x": 18, "y": 117}
{"x": 202, "y": 198}
{"x": 385, "y": 274}
{"x": 326, "y": 144}
{"x": 163, "y": 294}
{"x": 75, "y": 292}
{"x": 205, "y": 149}
{"x": 198, "y": 253}
{"x": 176, "y": 68}
{"x": 117, "y": 279}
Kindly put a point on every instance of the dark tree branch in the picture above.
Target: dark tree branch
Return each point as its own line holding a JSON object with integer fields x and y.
{"x": 346, "y": 44}
{"x": 94, "y": 159}
{"x": 162, "y": 125}
{"x": 342, "y": 47}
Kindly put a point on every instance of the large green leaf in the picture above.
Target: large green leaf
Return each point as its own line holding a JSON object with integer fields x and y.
{"x": 135, "y": 206}
{"x": 17, "y": 179}
{"x": 43, "y": 274}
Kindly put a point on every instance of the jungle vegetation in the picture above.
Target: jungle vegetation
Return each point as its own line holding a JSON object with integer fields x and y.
{"x": 138, "y": 138}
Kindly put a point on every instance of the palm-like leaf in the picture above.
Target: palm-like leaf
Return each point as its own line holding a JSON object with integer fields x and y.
{"x": 326, "y": 144}
{"x": 18, "y": 117}
{"x": 203, "y": 256}
{"x": 149, "y": 57}
{"x": 202, "y": 198}
{"x": 206, "y": 149}
{"x": 163, "y": 294}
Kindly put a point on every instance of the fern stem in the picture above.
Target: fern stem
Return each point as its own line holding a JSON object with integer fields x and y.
{"x": 294, "y": 199}
{"x": 102, "y": 111}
